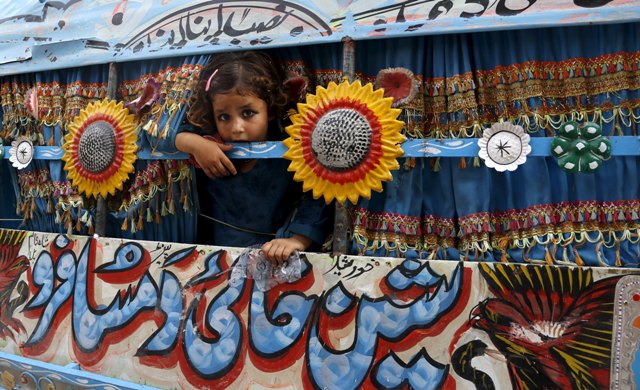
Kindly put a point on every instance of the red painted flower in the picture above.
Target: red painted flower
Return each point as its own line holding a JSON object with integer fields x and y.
{"x": 398, "y": 83}
{"x": 150, "y": 95}
{"x": 553, "y": 325}
{"x": 296, "y": 86}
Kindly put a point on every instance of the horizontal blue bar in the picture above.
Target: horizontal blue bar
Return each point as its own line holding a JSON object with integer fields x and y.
{"x": 462, "y": 147}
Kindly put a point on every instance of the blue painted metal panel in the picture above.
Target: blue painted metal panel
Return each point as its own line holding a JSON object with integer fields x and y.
{"x": 39, "y": 35}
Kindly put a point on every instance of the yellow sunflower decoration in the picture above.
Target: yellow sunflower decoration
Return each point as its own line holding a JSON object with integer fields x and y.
{"x": 100, "y": 148}
{"x": 344, "y": 141}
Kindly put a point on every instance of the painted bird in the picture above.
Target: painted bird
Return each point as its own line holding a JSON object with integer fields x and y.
{"x": 12, "y": 267}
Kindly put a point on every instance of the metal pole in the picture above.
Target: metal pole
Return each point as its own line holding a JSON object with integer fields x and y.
{"x": 341, "y": 220}
{"x": 101, "y": 207}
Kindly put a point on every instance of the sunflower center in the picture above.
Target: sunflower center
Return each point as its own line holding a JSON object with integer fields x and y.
{"x": 341, "y": 139}
{"x": 97, "y": 146}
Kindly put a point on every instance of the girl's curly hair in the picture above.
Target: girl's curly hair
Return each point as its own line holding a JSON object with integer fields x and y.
{"x": 244, "y": 73}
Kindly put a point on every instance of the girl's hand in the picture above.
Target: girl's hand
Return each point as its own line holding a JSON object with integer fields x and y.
{"x": 278, "y": 250}
{"x": 211, "y": 158}
{"x": 208, "y": 154}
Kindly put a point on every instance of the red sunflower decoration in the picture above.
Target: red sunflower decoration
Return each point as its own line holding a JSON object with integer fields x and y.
{"x": 100, "y": 148}
{"x": 344, "y": 141}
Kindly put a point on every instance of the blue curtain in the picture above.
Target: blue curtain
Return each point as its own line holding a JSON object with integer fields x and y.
{"x": 460, "y": 209}
{"x": 159, "y": 201}
{"x": 439, "y": 208}
{"x": 43, "y": 194}
{"x": 156, "y": 202}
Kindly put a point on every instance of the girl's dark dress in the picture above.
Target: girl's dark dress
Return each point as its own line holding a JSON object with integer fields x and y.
{"x": 254, "y": 207}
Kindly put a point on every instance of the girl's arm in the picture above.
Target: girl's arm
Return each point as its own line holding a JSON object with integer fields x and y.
{"x": 279, "y": 249}
{"x": 207, "y": 153}
{"x": 309, "y": 224}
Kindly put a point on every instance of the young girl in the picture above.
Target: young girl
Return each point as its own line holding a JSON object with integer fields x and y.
{"x": 245, "y": 202}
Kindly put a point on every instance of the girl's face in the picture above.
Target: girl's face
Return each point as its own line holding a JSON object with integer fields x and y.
{"x": 240, "y": 117}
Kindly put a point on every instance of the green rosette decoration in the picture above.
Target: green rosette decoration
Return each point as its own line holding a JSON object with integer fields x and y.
{"x": 580, "y": 148}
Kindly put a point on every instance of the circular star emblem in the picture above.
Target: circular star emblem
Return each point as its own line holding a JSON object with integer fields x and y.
{"x": 21, "y": 152}
{"x": 504, "y": 146}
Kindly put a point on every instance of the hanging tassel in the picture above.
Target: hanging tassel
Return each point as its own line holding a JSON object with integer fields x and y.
{"x": 547, "y": 256}
{"x": 186, "y": 204}
{"x": 49, "y": 206}
{"x": 476, "y": 162}
{"x": 124, "y": 226}
{"x": 139, "y": 225}
{"x": 164, "y": 209}
{"x": 133, "y": 224}
{"x": 147, "y": 127}
{"x": 435, "y": 164}
{"x": 157, "y": 213}
{"x": 78, "y": 225}
{"x": 579, "y": 260}
{"x": 25, "y": 211}
{"x": 600, "y": 257}
{"x": 85, "y": 215}
{"x": 182, "y": 195}
{"x": 463, "y": 163}
{"x": 409, "y": 163}
{"x": 149, "y": 214}
{"x": 58, "y": 217}
{"x": 68, "y": 222}
{"x": 165, "y": 129}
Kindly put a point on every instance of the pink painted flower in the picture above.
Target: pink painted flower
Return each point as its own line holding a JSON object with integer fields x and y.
{"x": 398, "y": 83}
{"x": 150, "y": 95}
{"x": 31, "y": 103}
